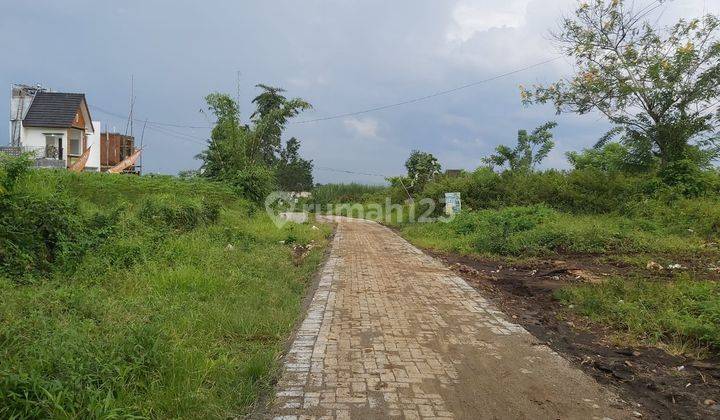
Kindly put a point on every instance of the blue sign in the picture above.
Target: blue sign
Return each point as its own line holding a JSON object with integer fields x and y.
{"x": 452, "y": 203}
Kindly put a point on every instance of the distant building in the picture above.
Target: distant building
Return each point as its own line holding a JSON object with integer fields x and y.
{"x": 453, "y": 172}
{"x": 114, "y": 148}
{"x": 54, "y": 127}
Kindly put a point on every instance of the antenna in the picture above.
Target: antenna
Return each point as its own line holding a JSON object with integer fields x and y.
{"x": 132, "y": 101}
{"x": 129, "y": 122}
{"x": 142, "y": 137}
{"x": 238, "y": 92}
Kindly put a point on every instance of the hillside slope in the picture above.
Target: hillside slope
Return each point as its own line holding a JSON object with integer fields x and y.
{"x": 141, "y": 296}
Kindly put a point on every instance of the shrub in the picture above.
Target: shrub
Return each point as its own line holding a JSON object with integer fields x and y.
{"x": 580, "y": 191}
{"x": 38, "y": 232}
{"x": 177, "y": 212}
{"x": 253, "y": 182}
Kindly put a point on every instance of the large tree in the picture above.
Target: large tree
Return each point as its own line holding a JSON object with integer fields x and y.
{"x": 273, "y": 110}
{"x": 246, "y": 155}
{"x": 658, "y": 86}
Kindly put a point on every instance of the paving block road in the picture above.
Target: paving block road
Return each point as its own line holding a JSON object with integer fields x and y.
{"x": 393, "y": 333}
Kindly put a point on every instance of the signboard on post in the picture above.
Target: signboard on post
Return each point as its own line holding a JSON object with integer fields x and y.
{"x": 452, "y": 203}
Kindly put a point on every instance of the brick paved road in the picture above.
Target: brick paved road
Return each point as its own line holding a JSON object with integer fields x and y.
{"x": 391, "y": 332}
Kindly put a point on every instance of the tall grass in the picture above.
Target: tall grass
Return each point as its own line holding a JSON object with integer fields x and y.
{"x": 179, "y": 311}
{"x": 540, "y": 230}
{"x": 684, "y": 314}
{"x": 346, "y": 193}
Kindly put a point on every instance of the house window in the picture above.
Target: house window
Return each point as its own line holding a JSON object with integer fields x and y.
{"x": 75, "y": 143}
{"x": 53, "y": 146}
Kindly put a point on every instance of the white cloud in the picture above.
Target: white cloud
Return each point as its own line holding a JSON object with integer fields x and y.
{"x": 470, "y": 17}
{"x": 362, "y": 127}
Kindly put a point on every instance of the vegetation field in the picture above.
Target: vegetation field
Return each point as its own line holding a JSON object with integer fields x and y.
{"x": 141, "y": 296}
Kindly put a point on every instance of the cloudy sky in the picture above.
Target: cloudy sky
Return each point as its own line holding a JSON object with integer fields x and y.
{"x": 340, "y": 55}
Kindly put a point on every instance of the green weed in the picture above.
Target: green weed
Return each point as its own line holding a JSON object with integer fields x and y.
{"x": 683, "y": 313}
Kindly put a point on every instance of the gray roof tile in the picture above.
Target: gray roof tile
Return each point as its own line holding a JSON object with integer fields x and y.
{"x": 53, "y": 109}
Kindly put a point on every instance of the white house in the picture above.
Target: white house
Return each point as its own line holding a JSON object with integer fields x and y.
{"x": 55, "y": 127}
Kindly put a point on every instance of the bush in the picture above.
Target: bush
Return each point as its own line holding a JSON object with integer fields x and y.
{"x": 253, "y": 182}
{"x": 579, "y": 191}
{"x": 177, "y": 212}
{"x": 50, "y": 219}
{"x": 38, "y": 232}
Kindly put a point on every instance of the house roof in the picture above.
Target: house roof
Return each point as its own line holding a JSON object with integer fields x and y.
{"x": 54, "y": 109}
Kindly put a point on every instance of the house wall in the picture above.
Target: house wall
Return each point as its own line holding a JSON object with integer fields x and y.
{"x": 79, "y": 121}
{"x": 35, "y": 137}
{"x": 93, "y": 142}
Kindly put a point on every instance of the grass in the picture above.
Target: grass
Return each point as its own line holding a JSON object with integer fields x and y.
{"x": 178, "y": 313}
{"x": 345, "y": 193}
{"x": 683, "y": 314}
{"x": 541, "y": 231}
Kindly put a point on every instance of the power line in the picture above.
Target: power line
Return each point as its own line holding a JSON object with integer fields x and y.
{"x": 325, "y": 168}
{"x": 179, "y": 136}
{"x": 166, "y": 124}
{"x": 425, "y": 97}
{"x": 161, "y": 127}
{"x": 360, "y": 112}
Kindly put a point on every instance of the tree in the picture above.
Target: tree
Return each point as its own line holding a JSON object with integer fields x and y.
{"x": 612, "y": 157}
{"x": 273, "y": 110}
{"x": 246, "y": 155}
{"x": 421, "y": 168}
{"x": 293, "y": 172}
{"x": 228, "y": 139}
{"x": 530, "y": 150}
{"x": 658, "y": 87}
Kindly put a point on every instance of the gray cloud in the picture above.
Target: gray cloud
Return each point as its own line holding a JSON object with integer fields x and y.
{"x": 340, "y": 55}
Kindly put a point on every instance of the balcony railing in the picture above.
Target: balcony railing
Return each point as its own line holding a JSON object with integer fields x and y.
{"x": 37, "y": 152}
